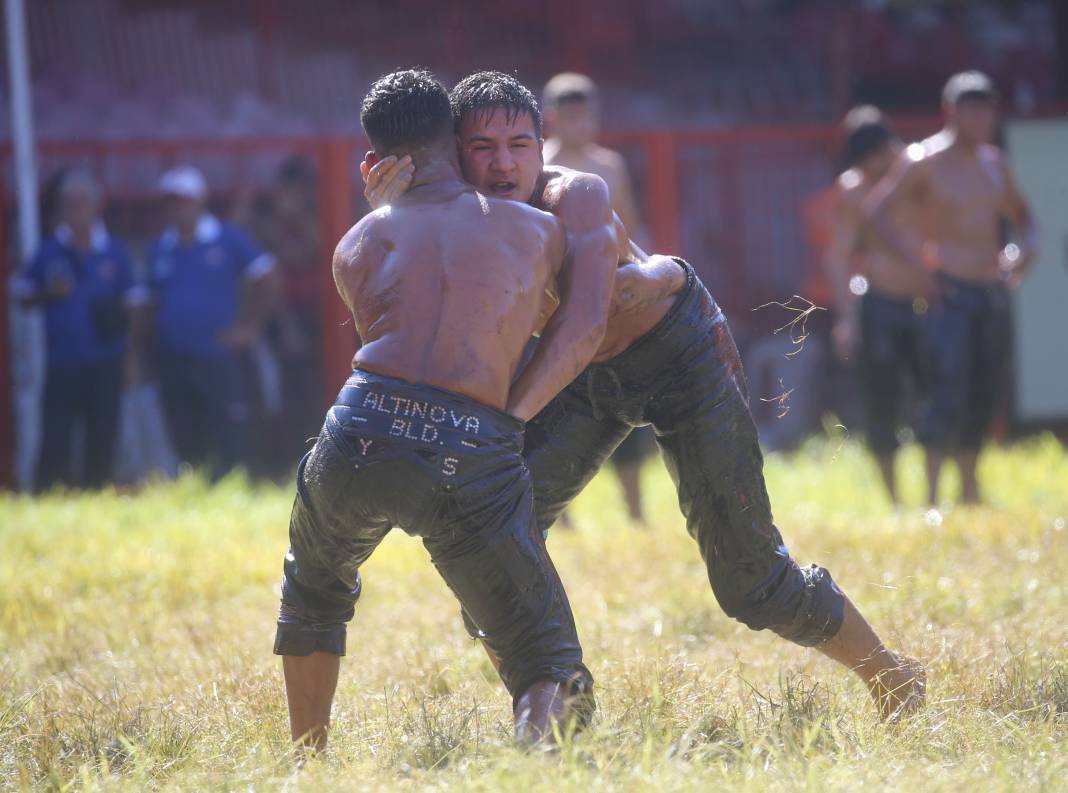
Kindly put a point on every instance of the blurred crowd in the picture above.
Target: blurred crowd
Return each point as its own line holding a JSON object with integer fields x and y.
{"x": 121, "y": 69}
{"x": 206, "y": 351}
{"x": 203, "y": 351}
{"x": 202, "y": 345}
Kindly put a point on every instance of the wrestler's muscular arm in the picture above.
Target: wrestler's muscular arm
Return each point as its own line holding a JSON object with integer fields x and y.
{"x": 358, "y": 252}
{"x": 906, "y": 183}
{"x": 642, "y": 281}
{"x": 584, "y": 284}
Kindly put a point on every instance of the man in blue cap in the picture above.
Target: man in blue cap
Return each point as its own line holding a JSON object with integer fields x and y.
{"x": 211, "y": 285}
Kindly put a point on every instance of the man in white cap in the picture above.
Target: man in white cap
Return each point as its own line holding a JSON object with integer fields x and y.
{"x": 212, "y": 293}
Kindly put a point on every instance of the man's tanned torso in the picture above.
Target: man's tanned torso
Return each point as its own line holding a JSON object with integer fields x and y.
{"x": 471, "y": 269}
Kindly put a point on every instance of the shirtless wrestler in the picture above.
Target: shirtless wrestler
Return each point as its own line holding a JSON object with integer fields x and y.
{"x": 445, "y": 287}
{"x": 668, "y": 360}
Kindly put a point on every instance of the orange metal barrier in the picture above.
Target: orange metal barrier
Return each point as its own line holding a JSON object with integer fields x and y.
{"x": 728, "y": 200}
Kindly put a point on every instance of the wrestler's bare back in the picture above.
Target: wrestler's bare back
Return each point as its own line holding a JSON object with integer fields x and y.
{"x": 445, "y": 286}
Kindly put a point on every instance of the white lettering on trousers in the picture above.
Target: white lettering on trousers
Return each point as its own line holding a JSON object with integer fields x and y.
{"x": 401, "y": 406}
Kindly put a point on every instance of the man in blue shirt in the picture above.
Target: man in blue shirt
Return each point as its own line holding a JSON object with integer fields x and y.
{"x": 211, "y": 287}
{"x": 83, "y": 279}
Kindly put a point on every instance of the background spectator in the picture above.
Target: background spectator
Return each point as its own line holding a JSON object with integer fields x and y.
{"x": 83, "y": 278}
{"x": 211, "y": 291}
{"x": 572, "y": 117}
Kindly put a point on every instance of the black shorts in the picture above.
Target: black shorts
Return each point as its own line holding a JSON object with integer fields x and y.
{"x": 893, "y": 353}
{"x": 447, "y": 469}
{"x": 684, "y": 377}
{"x": 968, "y": 334}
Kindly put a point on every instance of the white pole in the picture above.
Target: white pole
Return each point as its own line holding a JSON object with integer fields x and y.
{"x": 27, "y": 327}
{"x": 22, "y": 125}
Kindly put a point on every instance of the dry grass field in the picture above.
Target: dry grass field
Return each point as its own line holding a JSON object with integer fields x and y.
{"x": 135, "y": 646}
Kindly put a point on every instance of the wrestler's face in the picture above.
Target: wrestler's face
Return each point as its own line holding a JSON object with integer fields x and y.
{"x": 500, "y": 156}
{"x": 975, "y": 119}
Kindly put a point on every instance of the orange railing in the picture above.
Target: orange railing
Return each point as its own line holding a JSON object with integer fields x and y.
{"x": 727, "y": 199}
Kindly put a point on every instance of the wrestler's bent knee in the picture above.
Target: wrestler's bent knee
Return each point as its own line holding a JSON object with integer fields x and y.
{"x": 315, "y": 608}
{"x": 803, "y": 605}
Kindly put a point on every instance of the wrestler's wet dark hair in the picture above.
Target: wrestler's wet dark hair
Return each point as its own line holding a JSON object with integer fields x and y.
{"x": 866, "y": 132}
{"x": 406, "y": 110}
{"x": 482, "y": 93}
{"x": 971, "y": 86}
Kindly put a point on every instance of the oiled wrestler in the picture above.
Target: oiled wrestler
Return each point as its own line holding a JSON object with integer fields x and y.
{"x": 445, "y": 287}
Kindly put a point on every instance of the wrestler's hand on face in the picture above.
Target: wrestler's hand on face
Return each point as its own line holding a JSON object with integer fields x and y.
{"x": 385, "y": 180}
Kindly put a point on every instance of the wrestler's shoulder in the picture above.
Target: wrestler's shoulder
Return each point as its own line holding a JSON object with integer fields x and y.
{"x": 578, "y": 190}
{"x": 369, "y": 229}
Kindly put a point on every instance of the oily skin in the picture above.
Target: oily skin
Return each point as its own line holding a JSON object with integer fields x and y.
{"x": 896, "y": 683}
{"x": 445, "y": 287}
{"x": 501, "y": 156}
{"x": 473, "y": 269}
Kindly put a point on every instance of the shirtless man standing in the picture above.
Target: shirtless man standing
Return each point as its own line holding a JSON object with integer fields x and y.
{"x": 571, "y": 106}
{"x": 668, "y": 360}
{"x": 878, "y": 302}
{"x": 570, "y": 103}
{"x": 445, "y": 287}
{"x": 957, "y": 189}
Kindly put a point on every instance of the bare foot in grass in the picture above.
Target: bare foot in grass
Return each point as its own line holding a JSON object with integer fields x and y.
{"x": 901, "y": 690}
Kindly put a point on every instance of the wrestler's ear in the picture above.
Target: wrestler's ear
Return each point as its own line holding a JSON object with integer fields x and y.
{"x": 369, "y": 160}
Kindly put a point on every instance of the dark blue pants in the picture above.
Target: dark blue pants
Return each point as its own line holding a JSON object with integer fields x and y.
{"x": 207, "y": 411}
{"x": 968, "y": 334}
{"x": 893, "y": 351}
{"x": 444, "y": 468}
{"x": 86, "y": 394}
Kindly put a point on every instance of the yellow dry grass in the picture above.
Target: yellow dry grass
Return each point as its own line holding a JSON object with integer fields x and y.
{"x": 135, "y": 646}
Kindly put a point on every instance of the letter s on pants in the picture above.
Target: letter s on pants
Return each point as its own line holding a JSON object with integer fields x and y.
{"x": 449, "y": 466}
